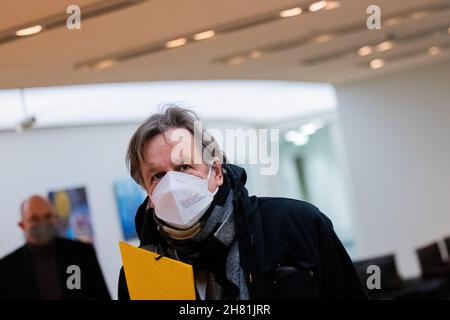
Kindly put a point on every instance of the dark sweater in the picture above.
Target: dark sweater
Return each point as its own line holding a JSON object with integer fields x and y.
{"x": 46, "y": 271}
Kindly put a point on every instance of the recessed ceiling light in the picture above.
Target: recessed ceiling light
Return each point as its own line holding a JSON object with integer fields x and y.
{"x": 364, "y": 51}
{"x": 235, "y": 60}
{"x": 419, "y": 14}
{"x": 323, "y": 38}
{"x": 291, "y": 135}
{"x": 29, "y": 31}
{"x": 301, "y": 140}
{"x": 332, "y": 5}
{"x": 393, "y": 21}
{"x": 309, "y": 129}
{"x": 291, "y": 12}
{"x": 255, "y": 54}
{"x": 296, "y": 137}
{"x": 204, "y": 35}
{"x": 176, "y": 43}
{"x": 317, "y": 6}
{"x": 433, "y": 51}
{"x": 84, "y": 67}
{"x": 377, "y": 63}
{"x": 384, "y": 46}
{"x": 104, "y": 64}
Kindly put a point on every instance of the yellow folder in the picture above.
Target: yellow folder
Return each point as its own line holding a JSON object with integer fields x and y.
{"x": 150, "y": 277}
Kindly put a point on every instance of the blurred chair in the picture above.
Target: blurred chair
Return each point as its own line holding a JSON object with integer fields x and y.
{"x": 431, "y": 261}
{"x": 393, "y": 287}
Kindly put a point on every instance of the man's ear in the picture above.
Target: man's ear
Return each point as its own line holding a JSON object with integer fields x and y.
{"x": 218, "y": 172}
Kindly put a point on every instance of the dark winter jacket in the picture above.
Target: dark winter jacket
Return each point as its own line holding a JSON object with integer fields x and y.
{"x": 288, "y": 248}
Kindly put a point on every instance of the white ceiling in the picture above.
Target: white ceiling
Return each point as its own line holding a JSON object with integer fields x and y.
{"x": 49, "y": 58}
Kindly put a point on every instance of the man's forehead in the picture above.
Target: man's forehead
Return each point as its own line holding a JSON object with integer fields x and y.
{"x": 37, "y": 201}
{"x": 175, "y": 135}
{"x": 171, "y": 149}
{"x": 36, "y": 205}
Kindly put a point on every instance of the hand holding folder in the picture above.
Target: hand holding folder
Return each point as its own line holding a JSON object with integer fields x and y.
{"x": 152, "y": 277}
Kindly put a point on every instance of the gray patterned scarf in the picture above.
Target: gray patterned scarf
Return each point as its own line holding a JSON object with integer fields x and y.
{"x": 218, "y": 227}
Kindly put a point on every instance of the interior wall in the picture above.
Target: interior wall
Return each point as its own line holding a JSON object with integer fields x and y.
{"x": 397, "y": 132}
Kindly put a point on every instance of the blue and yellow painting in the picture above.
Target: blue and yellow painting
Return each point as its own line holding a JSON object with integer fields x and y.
{"x": 72, "y": 207}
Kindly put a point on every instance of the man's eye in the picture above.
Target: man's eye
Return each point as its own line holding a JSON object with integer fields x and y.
{"x": 158, "y": 176}
{"x": 185, "y": 167}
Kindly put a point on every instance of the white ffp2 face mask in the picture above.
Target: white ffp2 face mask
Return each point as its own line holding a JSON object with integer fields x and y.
{"x": 181, "y": 199}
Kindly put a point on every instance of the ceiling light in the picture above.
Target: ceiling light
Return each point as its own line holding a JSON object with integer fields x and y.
{"x": 291, "y": 12}
{"x": 309, "y": 129}
{"x": 419, "y": 14}
{"x": 301, "y": 140}
{"x": 176, "y": 43}
{"x": 384, "y": 46}
{"x": 296, "y": 137}
{"x": 317, "y": 6}
{"x": 332, "y": 5}
{"x": 377, "y": 63}
{"x": 433, "y": 51}
{"x": 364, "y": 51}
{"x": 255, "y": 54}
{"x": 29, "y": 31}
{"x": 104, "y": 64}
{"x": 393, "y": 21}
{"x": 235, "y": 60}
{"x": 204, "y": 35}
{"x": 323, "y": 38}
{"x": 291, "y": 135}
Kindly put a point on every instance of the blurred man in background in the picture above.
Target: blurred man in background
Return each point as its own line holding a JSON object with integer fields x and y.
{"x": 48, "y": 267}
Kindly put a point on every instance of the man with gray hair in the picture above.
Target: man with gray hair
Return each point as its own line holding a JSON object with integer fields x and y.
{"x": 241, "y": 247}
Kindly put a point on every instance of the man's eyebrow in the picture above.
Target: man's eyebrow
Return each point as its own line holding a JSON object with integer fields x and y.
{"x": 150, "y": 166}
{"x": 150, "y": 171}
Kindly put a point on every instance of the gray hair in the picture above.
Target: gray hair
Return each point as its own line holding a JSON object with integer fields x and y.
{"x": 170, "y": 117}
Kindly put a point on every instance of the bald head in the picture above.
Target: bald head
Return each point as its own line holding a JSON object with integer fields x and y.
{"x": 35, "y": 206}
{"x": 35, "y": 210}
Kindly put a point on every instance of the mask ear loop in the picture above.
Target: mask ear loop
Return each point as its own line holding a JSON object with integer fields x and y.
{"x": 207, "y": 180}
